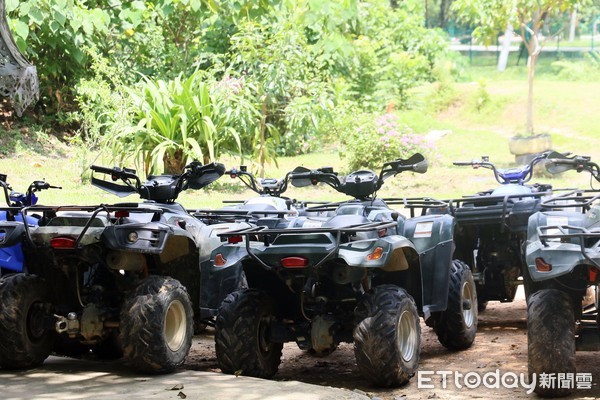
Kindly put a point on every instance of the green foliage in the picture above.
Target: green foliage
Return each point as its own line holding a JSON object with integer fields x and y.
{"x": 52, "y": 34}
{"x": 587, "y": 71}
{"x": 491, "y": 17}
{"x": 482, "y": 96}
{"x": 174, "y": 122}
{"x": 378, "y": 140}
{"x": 104, "y": 106}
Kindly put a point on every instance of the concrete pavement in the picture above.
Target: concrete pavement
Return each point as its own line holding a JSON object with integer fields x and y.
{"x": 70, "y": 379}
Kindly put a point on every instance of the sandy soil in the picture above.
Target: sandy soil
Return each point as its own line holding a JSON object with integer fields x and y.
{"x": 501, "y": 345}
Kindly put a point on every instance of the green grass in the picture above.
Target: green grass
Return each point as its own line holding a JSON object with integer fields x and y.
{"x": 568, "y": 110}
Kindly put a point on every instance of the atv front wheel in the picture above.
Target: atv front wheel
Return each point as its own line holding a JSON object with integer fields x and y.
{"x": 242, "y": 335}
{"x": 550, "y": 338}
{"x": 456, "y": 326}
{"x": 157, "y": 325}
{"x": 387, "y": 339}
{"x": 24, "y": 343}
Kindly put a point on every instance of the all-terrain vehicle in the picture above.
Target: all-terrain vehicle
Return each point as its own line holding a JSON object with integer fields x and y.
{"x": 492, "y": 227}
{"x": 561, "y": 280}
{"x": 11, "y": 258}
{"x": 270, "y": 208}
{"x": 362, "y": 275}
{"x": 108, "y": 279}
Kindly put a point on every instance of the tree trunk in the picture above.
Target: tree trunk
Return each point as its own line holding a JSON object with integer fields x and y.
{"x": 530, "y": 75}
{"x": 443, "y": 9}
{"x": 263, "y": 126}
{"x": 174, "y": 163}
{"x": 573, "y": 25}
{"x": 504, "y": 52}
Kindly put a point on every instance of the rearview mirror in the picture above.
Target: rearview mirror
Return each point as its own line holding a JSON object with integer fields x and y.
{"x": 421, "y": 167}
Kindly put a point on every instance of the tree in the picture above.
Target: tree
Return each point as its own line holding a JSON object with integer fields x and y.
{"x": 526, "y": 16}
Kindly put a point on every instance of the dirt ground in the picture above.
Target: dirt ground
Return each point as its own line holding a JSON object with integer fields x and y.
{"x": 500, "y": 345}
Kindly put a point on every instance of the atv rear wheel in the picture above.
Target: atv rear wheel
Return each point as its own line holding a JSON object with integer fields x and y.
{"x": 24, "y": 343}
{"x": 387, "y": 339}
{"x": 550, "y": 338}
{"x": 457, "y": 325}
{"x": 242, "y": 335}
{"x": 157, "y": 325}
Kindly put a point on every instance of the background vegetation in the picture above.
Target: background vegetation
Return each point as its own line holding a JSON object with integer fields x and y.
{"x": 275, "y": 84}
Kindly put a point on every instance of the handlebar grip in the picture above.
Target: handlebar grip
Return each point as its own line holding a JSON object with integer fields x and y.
{"x": 299, "y": 175}
{"x": 104, "y": 170}
{"x": 463, "y": 163}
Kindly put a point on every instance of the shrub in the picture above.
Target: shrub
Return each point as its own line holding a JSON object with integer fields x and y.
{"x": 378, "y": 140}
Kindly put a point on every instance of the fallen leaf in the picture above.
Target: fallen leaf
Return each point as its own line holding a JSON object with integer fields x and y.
{"x": 179, "y": 386}
{"x": 181, "y": 395}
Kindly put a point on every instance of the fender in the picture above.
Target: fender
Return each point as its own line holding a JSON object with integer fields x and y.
{"x": 11, "y": 254}
{"x": 564, "y": 257}
{"x": 365, "y": 253}
{"x": 433, "y": 239}
{"x": 11, "y": 233}
{"x": 217, "y": 282}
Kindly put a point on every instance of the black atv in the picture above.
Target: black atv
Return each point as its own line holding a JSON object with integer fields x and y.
{"x": 492, "y": 227}
{"x": 362, "y": 275}
{"x": 110, "y": 280}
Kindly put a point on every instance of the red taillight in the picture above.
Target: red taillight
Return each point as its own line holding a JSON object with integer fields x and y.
{"x": 294, "y": 262}
{"x": 593, "y": 274}
{"x": 62, "y": 243}
{"x": 220, "y": 260}
{"x": 121, "y": 214}
{"x": 233, "y": 176}
{"x": 234, "y": 239}
{"x": 542, "y": 266}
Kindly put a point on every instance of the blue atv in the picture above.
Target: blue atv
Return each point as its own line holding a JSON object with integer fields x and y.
{"x": 561, "y": 281}
{"x": 11, "y": 258}
{"x": 491, "y": 227}
{"x": 362, "y": 275}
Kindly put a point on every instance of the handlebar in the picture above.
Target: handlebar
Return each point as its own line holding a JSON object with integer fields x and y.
{"x": 271, "y": 186}
{"x": 511, "y": 175}
{"x": 116, "y": 173}
{"x": 464, "y": 163}
{"x": 578, "y": 163}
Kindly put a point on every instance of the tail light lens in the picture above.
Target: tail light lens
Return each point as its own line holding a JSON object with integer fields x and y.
{"x": 234, "y": 239}
{"x": 220, "y": 260}
{"x": 121, "y": 214}
{"x": 294, "y": 262}
{"x": 542, "y": 266}
{"x": 375, "y": 255}
{"x": 62, "y": 243}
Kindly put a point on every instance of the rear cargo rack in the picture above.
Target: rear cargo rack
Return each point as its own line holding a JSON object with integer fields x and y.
{"x": 235, "y": 215}
{"x": 566, "y": 232}
{"x": 95, "y": 210}
{"x": 488, "y": 209}
{"x": 269, "y": 234}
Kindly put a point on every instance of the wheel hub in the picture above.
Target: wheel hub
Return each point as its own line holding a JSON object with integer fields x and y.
{"x": 175, "y": 325}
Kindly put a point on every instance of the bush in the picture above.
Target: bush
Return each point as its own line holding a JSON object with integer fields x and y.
{"x": 378, "y": 140}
